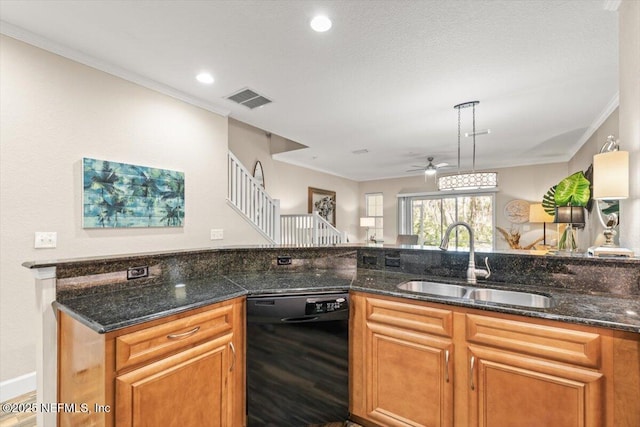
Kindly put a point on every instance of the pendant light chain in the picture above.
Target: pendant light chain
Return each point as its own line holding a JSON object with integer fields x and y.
{"x": 473, "y": 169}
{"x": 458, "y": 139}
{"x": 470, "y": 180}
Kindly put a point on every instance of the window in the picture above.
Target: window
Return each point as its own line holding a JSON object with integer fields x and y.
{"x": 428, "y": 215}
{"x": 374, "y": 208}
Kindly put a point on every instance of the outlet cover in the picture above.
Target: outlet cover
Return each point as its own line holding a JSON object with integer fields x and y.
{"x": 217, "y": 234}
{"x": 45, "y": 240}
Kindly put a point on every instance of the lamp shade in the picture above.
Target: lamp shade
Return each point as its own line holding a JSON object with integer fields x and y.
{"x": 611, "y": 175}
{"x": 569, "y": 215}
{"x": 367, "y": 222}
{"x": 537, "y": 214}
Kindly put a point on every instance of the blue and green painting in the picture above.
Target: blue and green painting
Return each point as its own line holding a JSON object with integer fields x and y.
{"x": 119, "y": 195}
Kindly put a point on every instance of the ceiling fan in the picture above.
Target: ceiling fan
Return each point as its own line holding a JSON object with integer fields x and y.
{"x": 430, "y": 169}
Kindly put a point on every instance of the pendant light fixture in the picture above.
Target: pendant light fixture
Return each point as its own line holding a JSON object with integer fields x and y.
{"x": 471, "y": 180}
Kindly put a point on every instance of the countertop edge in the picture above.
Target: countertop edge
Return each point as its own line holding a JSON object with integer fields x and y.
{"x": 103, "y": 329}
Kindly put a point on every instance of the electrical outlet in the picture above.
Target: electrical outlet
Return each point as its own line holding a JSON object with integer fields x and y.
{"x": 284, "y": 260}
{"x": 217, "y": 234}
{"x": 137, "y": 272}
{"x": 45, "y": 240}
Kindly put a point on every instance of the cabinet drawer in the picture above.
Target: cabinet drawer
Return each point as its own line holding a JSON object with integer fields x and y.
{"x": 564, "y": 345}
{"x": 411, "y": 316}
{"x": 154, "y": 342}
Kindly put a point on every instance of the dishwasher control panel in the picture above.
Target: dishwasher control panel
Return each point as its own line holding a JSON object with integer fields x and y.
{"x": 321, "y": 306}
{"x": 306, "y": 307}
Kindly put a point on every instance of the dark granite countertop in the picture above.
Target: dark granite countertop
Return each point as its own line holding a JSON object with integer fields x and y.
{"x": 293, "y": 282}
{"x": 605, "y": 311}
{"x": 116, "y": 309}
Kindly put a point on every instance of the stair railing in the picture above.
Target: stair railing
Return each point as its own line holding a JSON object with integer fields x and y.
{"x": 248, "y": 197}
{"x": 309, "y": 230}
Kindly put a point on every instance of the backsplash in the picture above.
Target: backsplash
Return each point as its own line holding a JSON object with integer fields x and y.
{"x": 620, "y": 277}
{"x": 93, "y": 274}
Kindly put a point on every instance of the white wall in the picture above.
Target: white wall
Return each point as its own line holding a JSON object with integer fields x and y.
{"x": 528, "y": 183}
{"x": 290, "y": 183}
{"x": 54, "y": 112}
{"x": 581, "y": 162}
{"x": 629, "y": 53}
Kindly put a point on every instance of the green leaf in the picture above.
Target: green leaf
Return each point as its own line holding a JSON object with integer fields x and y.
{"x": 549, "y": 201}
{"x": 573, "y": 190}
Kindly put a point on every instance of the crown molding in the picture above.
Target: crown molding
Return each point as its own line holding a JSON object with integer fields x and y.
{"x": 606, "y": 112}
{"x": 36, "y": 40}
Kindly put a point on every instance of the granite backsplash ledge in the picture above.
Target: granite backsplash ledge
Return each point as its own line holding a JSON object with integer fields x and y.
{"x": 620, "y": 277}
{"x": 85, "y": 276}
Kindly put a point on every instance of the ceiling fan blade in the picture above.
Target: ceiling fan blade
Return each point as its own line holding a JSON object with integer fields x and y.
{"x": 416, "y": 170}
{"x": 441, "y": 165}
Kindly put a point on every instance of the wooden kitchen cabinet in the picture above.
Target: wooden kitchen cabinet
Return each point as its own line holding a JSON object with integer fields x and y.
{"x": 182, "y": 370}
{"x": 401, "y": 355}
{"x": 523, "y": 374}
{"x": 416, "y": 363}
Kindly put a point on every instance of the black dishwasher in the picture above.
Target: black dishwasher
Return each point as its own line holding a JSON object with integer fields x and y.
{"x": 297, "y": 359}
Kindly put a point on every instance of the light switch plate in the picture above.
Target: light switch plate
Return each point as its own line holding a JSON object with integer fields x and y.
{"x": 45, "y": 240}
{"x": 217, "y": 234}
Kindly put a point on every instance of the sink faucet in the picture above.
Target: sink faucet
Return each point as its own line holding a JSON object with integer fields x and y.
{"x": 472, "y": 271}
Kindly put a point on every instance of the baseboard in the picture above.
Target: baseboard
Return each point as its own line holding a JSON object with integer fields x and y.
{"x": 10, "y": 389}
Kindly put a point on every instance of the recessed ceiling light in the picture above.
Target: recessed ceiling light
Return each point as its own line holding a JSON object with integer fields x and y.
{"x": 321, "y": 23}
{"x": 205, "y": 78}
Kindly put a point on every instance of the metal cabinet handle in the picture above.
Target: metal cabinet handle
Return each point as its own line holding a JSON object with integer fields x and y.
{"x": 473, "y": 363}
{"x": 184, "y": 334}
{"x": 446, "y": 365}
{"x": 233, "y": 350}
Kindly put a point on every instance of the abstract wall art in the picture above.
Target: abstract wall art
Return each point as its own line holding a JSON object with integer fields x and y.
{"x": 120, "y": 195}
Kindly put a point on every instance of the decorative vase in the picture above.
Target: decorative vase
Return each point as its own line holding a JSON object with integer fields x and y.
{"x": 567, "y": 241}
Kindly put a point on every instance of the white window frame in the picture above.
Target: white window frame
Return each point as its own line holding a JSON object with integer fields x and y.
{"x": 378, "y": 230}
{"x": 405, "y": 201}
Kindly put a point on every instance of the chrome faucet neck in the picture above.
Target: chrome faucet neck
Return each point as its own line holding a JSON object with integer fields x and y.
{"x": 444, "y": 244}
{"x": 472, "y": 272}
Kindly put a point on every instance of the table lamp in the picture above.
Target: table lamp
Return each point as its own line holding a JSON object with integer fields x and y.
{"x": 610, "y": 183}
{"x": 368, "y": 222}
{"x": 538, "y": 215}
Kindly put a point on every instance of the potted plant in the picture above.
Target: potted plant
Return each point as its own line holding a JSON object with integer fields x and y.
{"x": 573, "y": 191}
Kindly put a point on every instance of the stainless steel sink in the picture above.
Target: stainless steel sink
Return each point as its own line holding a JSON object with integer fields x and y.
{"x": 434, "y": 288}
{"x": 524, "y": 299}
{"x": 497, "y": 296}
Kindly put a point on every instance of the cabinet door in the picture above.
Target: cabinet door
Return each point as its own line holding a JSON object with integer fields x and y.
{"x": 189, "y": 389}
{"x": 406, "y": 372}
{"x": 508, "y": 389}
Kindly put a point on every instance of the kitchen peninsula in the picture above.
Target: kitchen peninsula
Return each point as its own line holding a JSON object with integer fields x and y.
{"x": 595, "y": 309}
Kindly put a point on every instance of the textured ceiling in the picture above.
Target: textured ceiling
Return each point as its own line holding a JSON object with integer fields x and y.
{"x": 385, "y": 78}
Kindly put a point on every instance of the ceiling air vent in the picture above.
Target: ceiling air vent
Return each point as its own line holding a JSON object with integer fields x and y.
{"x": 249, "y": 98}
